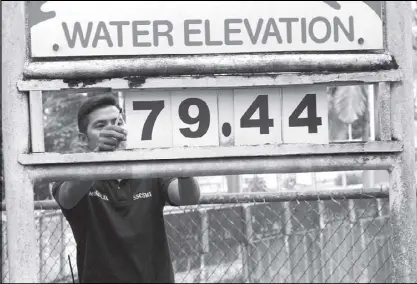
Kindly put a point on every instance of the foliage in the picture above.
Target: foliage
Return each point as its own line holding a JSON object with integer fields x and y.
{"x": 60, "y": 120}
{"x": 351, "y": 178}
{"x": 257, "y": 184}
{"x": 348, "y": 104}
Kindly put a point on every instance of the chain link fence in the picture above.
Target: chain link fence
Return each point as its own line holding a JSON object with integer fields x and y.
{"x": 345, "y": 240}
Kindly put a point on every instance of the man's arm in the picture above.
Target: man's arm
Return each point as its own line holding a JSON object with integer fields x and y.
{"x": 183, "y": 191}
{"x": 70, "y": 193}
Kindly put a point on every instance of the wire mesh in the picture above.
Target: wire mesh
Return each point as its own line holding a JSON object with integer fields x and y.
{"x": 344, "y": 240}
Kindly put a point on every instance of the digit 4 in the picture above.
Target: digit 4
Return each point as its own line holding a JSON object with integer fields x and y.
{"x": 311, "y": 121}
{"x": 264, "y": 122}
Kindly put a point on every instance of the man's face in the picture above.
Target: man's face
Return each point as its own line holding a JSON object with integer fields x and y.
{"x": 97, "y": 120}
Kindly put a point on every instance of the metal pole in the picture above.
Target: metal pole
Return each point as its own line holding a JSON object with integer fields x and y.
{"x": 402, "y": 192}
{"x": 19, "y": 187}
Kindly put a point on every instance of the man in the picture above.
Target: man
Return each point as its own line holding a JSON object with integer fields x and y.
{"x": 119, "y": 225}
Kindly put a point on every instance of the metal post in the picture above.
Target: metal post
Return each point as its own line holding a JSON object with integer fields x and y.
{"x": 205, "y": 245}
{"x": 402, "y": 192}
{"x": 19, "y": 187}
{"x": 247, "y": 244}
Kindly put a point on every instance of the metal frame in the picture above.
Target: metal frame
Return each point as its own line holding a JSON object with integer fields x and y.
{"x": 394, "y": 151}
{"x": 282, "y": 196}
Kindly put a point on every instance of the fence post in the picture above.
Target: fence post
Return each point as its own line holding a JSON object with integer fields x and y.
{"x": 288, "y": 230}
{"x": 40, "y": 242}
{"x": 204, "y": 242}
{"x": 403, "y": 215}
{"x": 15, "y": 118}
{"x": 247, "y": 243}
{"x": 62, "y": 240}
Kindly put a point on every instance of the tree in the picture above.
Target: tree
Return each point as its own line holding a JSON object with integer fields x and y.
{"x": 348, "y": 105}
{"x": 257, "y": 184}
{"x": 60, "y": 127}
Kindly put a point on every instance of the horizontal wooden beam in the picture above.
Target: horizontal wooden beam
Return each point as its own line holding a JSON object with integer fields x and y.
{"x": 242, "y": 198}
{"x": 280, "y": 150}
{"x": 211, "y": 167}
{"x": 215, "y": 81}
{"x": 151, "y": 66}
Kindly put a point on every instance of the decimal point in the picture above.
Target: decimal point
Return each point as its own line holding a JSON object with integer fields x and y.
{"x": 226, "y": 129}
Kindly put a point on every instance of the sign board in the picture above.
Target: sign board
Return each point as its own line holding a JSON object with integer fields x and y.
{"x": 232, "y": 117}
{"x": 120, "y": 28}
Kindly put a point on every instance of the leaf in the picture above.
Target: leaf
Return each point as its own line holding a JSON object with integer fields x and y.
{"x": 349, "y": 103}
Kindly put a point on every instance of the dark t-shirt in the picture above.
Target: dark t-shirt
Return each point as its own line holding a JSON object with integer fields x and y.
{"x": 120, "y": 232}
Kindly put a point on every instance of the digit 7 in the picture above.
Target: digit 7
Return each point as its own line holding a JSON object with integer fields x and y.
{"x": 155, "y": 107}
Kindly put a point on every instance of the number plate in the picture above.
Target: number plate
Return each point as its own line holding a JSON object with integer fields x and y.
{"x": 232, "y": 117}
{"x": 257, "y": 115}
{"x": 148, "y": 119}
{"x": 305, "y": 115}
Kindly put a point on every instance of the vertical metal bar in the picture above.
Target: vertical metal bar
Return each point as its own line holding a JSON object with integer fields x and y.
{"x": 403, "y": 215}
{"x": 322, "y": 225}
{"x": 40, "y": 276}
{"x": 36, "y": 121}
{"x": 371, "y": 109}
{"x": 62, "y": 241}
{"x": 288, "y": 231}
{"x": 248, "y": 232}
{"x": 15, "y": 117}
{"x": 204, "y": 242}
{"x": 382, "y": 114}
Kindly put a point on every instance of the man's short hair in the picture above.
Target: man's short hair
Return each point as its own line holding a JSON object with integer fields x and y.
{"x": 106, "y": 98}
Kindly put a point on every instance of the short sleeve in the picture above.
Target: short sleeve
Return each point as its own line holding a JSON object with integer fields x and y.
{"x": 163, "y": 186}
{"x": 55, "y": 190}
{"x": 78, "y": 209}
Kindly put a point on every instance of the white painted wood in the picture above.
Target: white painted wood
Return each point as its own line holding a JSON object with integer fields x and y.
{"x": 226, "y": 116}
{"x": 281, "y": 150}
{"x": 36, "y": 121}
{"x": 220, "y": 81}
{"x": 202, "y": 27}
{"x": 383, "y": 111}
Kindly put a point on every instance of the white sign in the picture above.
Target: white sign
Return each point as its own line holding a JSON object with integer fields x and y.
{"x": 198, "y": 118}
{"x": 111, "y": 28}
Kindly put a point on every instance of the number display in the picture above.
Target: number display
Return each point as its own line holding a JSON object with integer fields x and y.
{"x": 311, "y": 121}
{"x": 203, "y": 117}
{"x": 156, "y": 107}
{"x": 257, "y": 116}
{"x": 305, "y": 115}
{"x": 263, "y": 122}
{"x": 148, "y": 119}
{"x": 195, "y": 118}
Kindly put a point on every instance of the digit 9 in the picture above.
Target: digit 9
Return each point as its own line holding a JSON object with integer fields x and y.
{"x": 203, "y": 117}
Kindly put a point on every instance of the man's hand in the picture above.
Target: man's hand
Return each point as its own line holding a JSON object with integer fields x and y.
{"x": 110, "y": 137}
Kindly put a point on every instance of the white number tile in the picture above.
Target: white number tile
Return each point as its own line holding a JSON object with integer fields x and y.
{"x": 243, "y": 99}
{"x": 135, "y": 120}
{"x": 292, "y": 97}
{"x": 210, "y": 130}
